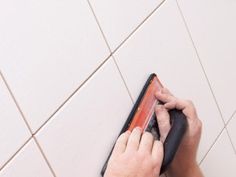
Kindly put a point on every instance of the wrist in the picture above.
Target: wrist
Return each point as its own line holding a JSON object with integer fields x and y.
{"x": 184, "y": 170}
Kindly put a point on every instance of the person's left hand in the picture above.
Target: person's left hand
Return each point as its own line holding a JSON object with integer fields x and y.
{"x": 135, "y": 155}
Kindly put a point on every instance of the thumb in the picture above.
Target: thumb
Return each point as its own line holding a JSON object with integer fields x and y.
{"x": 163, "y": 120}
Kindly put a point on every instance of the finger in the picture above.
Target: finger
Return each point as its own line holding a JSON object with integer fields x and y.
{"x": 166, "y": 91}
{"x": 177, "y": 103}
{"x": 134, "y": 140}
{"x": 146, "y": 143}
{"x": 163, "y": 97}
{"x": 121, "y": 143}
{"x": 157, "y": 153}
{"x": 185, "y": 105}
{"x": 163, "y": 119}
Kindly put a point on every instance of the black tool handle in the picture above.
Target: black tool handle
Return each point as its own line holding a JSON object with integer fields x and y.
{"x": 178, "y": 128}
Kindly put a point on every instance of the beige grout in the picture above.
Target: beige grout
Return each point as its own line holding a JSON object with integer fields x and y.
{"x": 231, "y": 117}
{"x": 21, "y": 112}
{"x": 208, "y": 82}
{"x": 123, "y": 79}
{"x": 95, "y": 69}
{"x": 91, "y": 76}
{"x": 13, "y": 156}
{"x": 138, "y": 27}
{"x": 71, "y": 95}
{"x": 212, "y": 145}
{"x": 28, "y": 126}
{"x": 216, "y": 139}
{"x": 44, "y": 156}
{"x": 112, "y": 52}
{"x": 97, "y": 21}
{"x": 16, "y": 103}
{"x": 200, "y": 62}
{"x": 231, "y": 141}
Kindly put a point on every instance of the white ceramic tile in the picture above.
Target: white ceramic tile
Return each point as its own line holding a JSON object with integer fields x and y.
{"x": 221, "y": 160}
{"x": 27, "y": 163}
{"x": 13, "y": 131}
{"x": 232, "y": 130}
{"x": 212, "y": 26}
{"x": 118, "y": 18}
{"x": 79, "y": 138}
{"x": 47, "y": 48}
{"x": 163, "y": 46}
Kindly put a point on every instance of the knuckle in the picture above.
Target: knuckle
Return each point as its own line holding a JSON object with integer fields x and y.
{"x": 140, "y": 156}
{"x": 147, "y": 162}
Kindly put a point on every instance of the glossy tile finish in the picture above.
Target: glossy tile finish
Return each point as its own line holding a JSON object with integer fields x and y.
{"x": 221, "y": 160}
{"x": 28, "y": 163}
{"x": 47, "y": 49}
{"x": 213, "y": 33}
{"x": 163, "y": 46}
{"x": 13, "y": 130}
{"x": 118, "y": 18}
{"x": 79, "y": 138}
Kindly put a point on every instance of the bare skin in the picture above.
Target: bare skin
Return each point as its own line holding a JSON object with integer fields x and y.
{"x": 135, "y": 155}
{"x": 138, "y": 155}
{"x": 184, "y": 163}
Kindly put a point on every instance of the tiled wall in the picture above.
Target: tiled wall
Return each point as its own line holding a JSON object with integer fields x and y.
{"x": 71, "y": 70}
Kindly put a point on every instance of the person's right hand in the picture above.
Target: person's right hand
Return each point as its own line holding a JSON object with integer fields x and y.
{"x": 184, "y": 163}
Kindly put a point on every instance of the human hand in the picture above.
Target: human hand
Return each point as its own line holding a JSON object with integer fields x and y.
{"x": 135, "y": 155}
{"x": 184, "y": 163}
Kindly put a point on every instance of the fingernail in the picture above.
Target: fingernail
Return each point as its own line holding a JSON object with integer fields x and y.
{"x": 128, "y": 132}
{"x": 137, "y": 129}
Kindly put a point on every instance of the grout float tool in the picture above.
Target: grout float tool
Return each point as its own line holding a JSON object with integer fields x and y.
{"x": 143, "y": 115}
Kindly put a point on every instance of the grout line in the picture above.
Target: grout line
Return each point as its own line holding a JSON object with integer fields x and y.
{"x": 200, "y": 62}
{"x": 231, "y": 117}
{"x": 98, "y": 66}
{"x": 218, "y": 136}
{"x": 28, "y": 126}
{"x": 225, "y": 127}
{"x": 13, "y": 156}
{"x": 230, "y": 139}
{"x": 145, "y": 19}
{"x": 16, "y": 103}
{"x": 209, "y": 84}
{"x": 44, "y": 156}
{"x": 103, "y": 34}
{"x": 122, "y": 77}
{"x": 71, "y": 95}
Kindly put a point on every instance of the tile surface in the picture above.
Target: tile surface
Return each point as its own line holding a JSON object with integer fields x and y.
{"x": 118, "y": 18}
{"x": 79, "y": 138}
{"x": 28, "y": 163}
{"x": 163, "y": 46}
{"x": 221, "y": 160}
{"x": 13, "y": 130}
{"x": 232, "y": 130}
{"x": 47, "y": 48}
{"x": 213, "y": 32}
